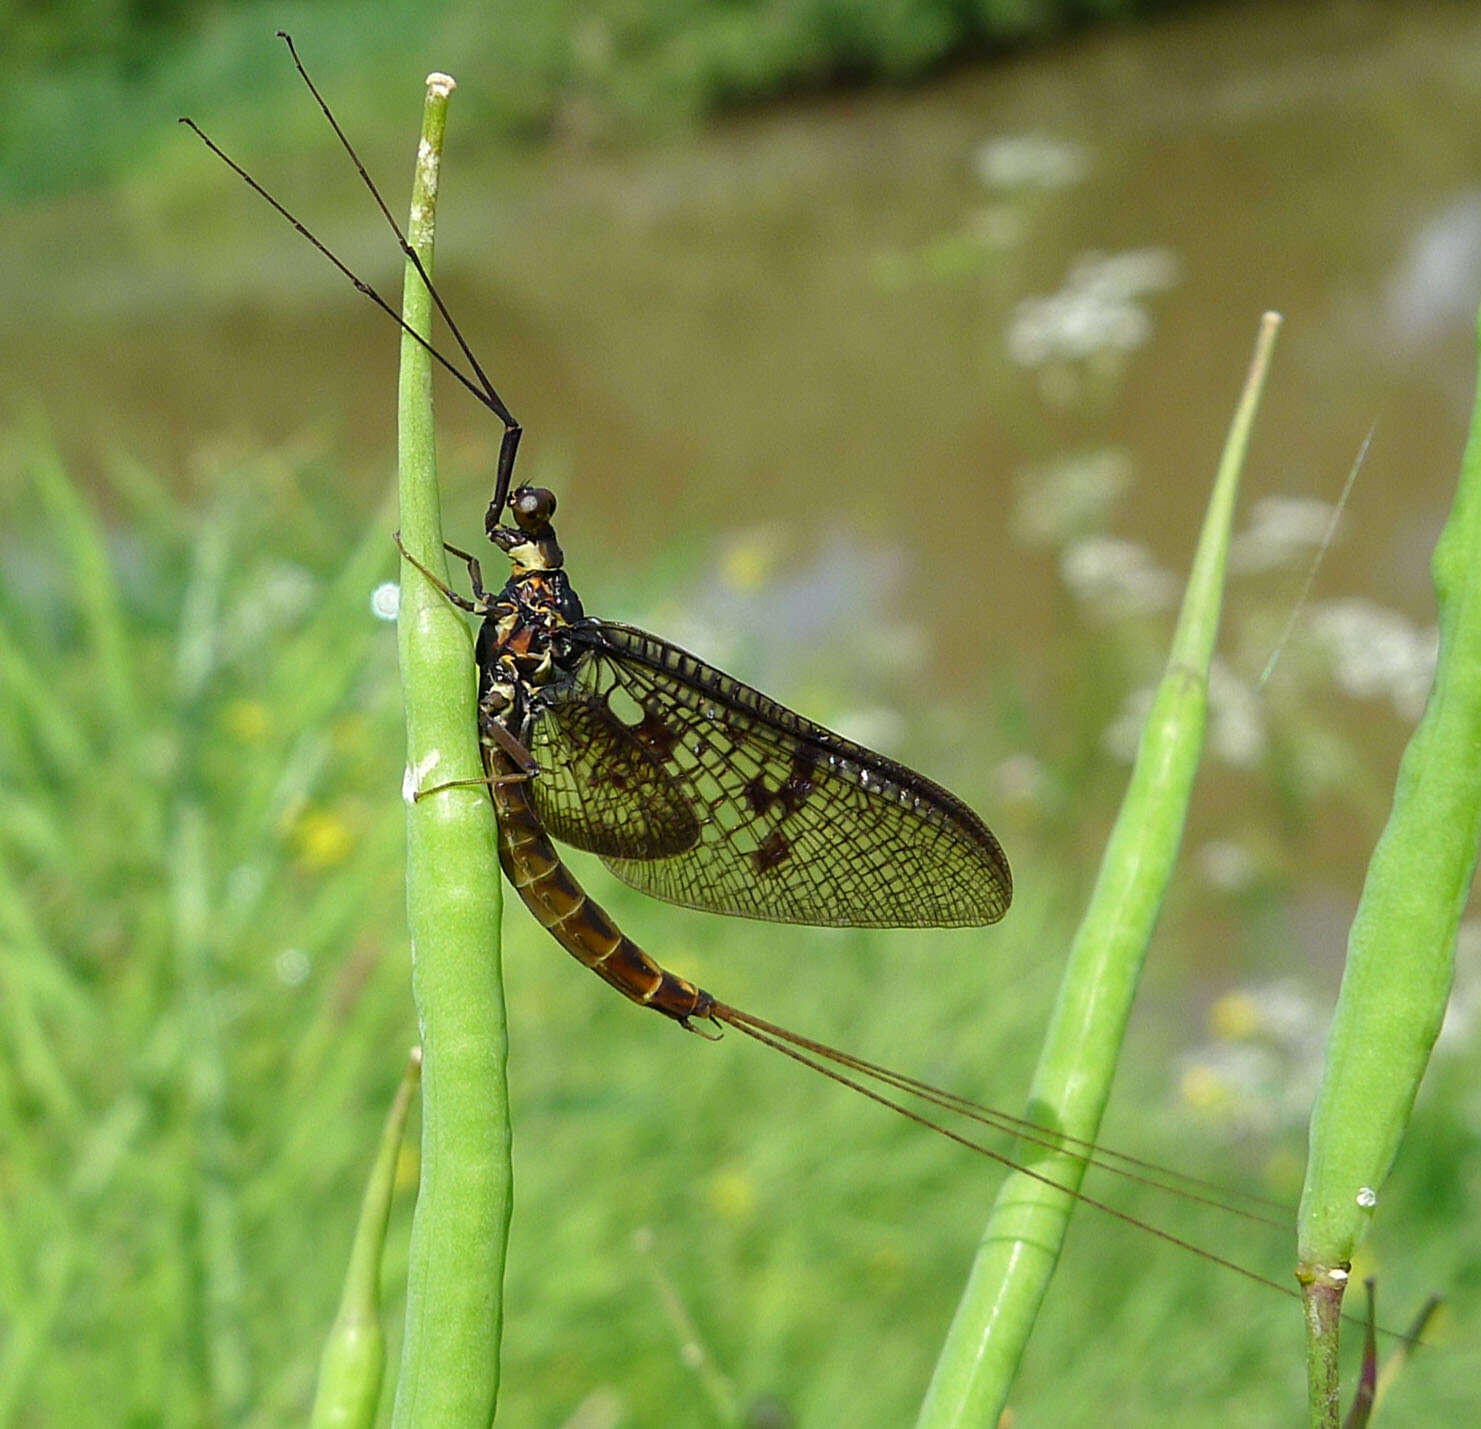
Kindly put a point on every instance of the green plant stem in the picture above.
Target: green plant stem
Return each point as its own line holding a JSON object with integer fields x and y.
{"x": 1021, "y": 1245}
{"x": 1322, "y": 1304}
{"x": 450, "y": 1363}
{"x": 354, "y": 1358}
{"x": 1401, "y": 950}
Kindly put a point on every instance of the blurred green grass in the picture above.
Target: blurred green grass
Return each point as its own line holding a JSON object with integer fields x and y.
{"x": 203, "y": 979}
{"x": 96, "y": 77}
{"x": 205, "y": 1010}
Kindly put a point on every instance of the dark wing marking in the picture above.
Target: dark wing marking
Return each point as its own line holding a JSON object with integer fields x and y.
{"x": 795, "y": 823}
{"x": 599, "y": 787}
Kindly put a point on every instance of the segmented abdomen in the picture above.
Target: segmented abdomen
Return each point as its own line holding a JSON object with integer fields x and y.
{"x": 578, "y": 923}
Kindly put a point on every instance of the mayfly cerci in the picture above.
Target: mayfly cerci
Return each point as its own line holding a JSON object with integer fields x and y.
{"x": 700, "y": 790}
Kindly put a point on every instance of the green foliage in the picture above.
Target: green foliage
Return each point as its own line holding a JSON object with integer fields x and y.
{"x": 100, "y": 80}
{"x": 354, "y": 1359}
{"x": 168, "y": 822}
{"x": 203, "y": 975}
{"x": 205, "y": 1013}
{"x": 1083, "y": 1040}
{"x": 1401, "y": 951}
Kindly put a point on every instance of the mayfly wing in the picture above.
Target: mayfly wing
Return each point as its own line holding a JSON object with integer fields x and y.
{"x": 600, "y": 788}
{"x": 795, "y": 824}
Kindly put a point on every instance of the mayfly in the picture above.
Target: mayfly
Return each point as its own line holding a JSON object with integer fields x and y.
{"x": 700, "y": 790}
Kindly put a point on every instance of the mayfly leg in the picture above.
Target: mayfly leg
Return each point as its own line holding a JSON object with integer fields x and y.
{"x": 475, "y": 571}
{"x": 476, "y": 606}
{"x": 494, "y": 734}
{"x": 527, "y": 767}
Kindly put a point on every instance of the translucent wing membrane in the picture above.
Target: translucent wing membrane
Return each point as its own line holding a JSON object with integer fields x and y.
{"x": 600, "y": 788}
{"x": 787, "y": 820}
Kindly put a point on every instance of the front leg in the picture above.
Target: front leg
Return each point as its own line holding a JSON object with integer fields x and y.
{"x": 491, "y": 781}
{"x": 475, "y": 571}
{"x": 474, "y": 607}
{"x": 493, "y": 733}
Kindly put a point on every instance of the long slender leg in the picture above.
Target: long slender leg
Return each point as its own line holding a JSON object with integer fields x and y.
{"x": 491, "y": 781}
{"x": 475, "y": 571}
{"x": 512, "y": 746}
{"x": 461, "y": 601}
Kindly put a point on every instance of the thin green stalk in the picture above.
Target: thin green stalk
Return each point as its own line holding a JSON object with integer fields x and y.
{"x": 32, "y": 1328}
{"x": 1020, "y": 1247}
{"x": 219, "y": 1251}
{"x": 24, "y": 688}
{"x": 1399, "y": 1358}
{"x": 454, "y": 1311}
{"x": 1401, "y": 950}
{"x": 99, "y": 603}
{"x": 354, "y": 1358}
{"x": 33, "y": 1055}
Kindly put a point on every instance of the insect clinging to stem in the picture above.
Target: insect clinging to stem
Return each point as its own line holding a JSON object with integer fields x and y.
{"x": 697, "y": 789}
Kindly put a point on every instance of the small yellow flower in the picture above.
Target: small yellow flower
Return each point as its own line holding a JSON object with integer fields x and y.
{"x": 322, "y": 839}
{"x": 1234, "y": 1017}
{"x": 1201, "y": 1087}
{"x": 247, "y": 720}
{"x": 733, "y": 1194}
{"x": 748, "y": 562}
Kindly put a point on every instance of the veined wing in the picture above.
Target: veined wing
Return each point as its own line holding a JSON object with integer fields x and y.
{"x": 601, "y": 787}
{"x": 795, "y": 823}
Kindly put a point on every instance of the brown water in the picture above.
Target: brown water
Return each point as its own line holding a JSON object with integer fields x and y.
{"x": 751, "y": 317}
{"x": 803, "y": 316}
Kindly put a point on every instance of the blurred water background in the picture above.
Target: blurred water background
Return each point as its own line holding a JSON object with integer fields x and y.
{"x": 880, "y": 354}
